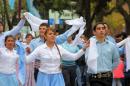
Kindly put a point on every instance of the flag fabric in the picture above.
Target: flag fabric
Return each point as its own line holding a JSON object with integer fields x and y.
{"x": 61, "y": 21}
{"x": 51, "y": 21}
{"x": 32, "y": 9}
{"x": 34, "y": 21}
{"x": 21, "y": 62}
{"x": 11, "y": 4}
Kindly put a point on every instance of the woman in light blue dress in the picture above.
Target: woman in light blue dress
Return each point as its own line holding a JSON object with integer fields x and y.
{"x": 8, "y": 60}
{"x": 50, "y": 55}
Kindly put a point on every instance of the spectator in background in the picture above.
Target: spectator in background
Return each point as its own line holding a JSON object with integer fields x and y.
{"x": 81, "y": 65}
{"x": 118, "y": 72}
{"x": 69, "y": 67}
{"x": 108, "y": 34}
{"x": 29, "y": 67}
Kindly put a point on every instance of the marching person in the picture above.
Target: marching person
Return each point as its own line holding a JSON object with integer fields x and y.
{"x": 69, "y": 67}
{"x": 29, "y": 67}
{"x": 101, "y": 58}
{"x": 50, "y": 55}
{"x": 59, "y": 39}
{"x": 8, "y": 61}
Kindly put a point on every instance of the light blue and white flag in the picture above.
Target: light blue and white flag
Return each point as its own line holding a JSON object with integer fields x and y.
{"x": 32, "y": 9}
{"x": 21, "y": 62}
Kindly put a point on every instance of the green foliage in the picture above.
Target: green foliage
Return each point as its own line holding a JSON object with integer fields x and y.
{"x": 115, "y": 21}
{"x": 101, "y": 8}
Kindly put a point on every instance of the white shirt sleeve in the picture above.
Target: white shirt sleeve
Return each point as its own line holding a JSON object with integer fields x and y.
{"x": 81, "y": 31}
{"x": 16, "y": 29}
{"x": 122, "y": 42}
{"x": 31, "y": 57}
{"x": 72, "y": 30}
{"x": 66, "y": 55}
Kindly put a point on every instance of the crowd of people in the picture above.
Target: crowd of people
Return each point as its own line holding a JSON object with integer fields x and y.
{"x": 68, "y": 59}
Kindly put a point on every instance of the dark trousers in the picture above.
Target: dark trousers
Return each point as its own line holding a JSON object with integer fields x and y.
{"x": 36, "y": 73}
{"x": 127, "y": 78}
{"x": 127, "y": 81}
{"x": 69, "y": 74}
{"x": 100, "y": 81}
{"x": 36, "y": 66}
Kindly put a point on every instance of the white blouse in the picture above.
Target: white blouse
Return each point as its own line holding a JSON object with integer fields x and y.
{"x": 8, "y": 61}
{"x": 50, "y": 58}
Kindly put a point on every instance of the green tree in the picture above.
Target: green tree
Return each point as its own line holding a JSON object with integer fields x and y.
{"x": 93, "y": 10}
{"x": 124, "y": 12}
{"x": 55, "y": 5}
{"x": 8, "y": 15}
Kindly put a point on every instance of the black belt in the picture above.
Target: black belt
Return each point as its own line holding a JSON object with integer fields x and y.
{"x": 102, "y": 75}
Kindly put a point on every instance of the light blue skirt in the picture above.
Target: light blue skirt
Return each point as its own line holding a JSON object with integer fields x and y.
{"x": 8, "y": 80}
{"x": 50, "y": 79}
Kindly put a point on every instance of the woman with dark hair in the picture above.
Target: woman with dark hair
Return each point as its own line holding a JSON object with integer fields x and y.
{"x": 8, "y": 60}
{"x": 50, "y": 55}
{"x": 29, "y": 67}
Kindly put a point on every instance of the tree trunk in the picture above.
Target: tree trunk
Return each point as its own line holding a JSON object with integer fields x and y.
{"x": 125, "y": 15}
{"x": 89, "y": 19}
{"x": 127, "y": 22}
{"x": 3, "y": 17}
{"x": 88, "y": 31}
{"x": 7, "y": 15}
{"x": 99, "y": 17}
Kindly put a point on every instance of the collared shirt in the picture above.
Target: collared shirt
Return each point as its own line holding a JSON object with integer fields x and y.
{"x": 108, "y": 37}
{"x": 111, "y": 39}
{"x": 8, "y": 61}
{"x": 108, "y": 57}
{"x": 35, "y": 43}
{"x": 71, "y": 48}
{"x": 13, "y": 32}
{"x": 50, "y": 58}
